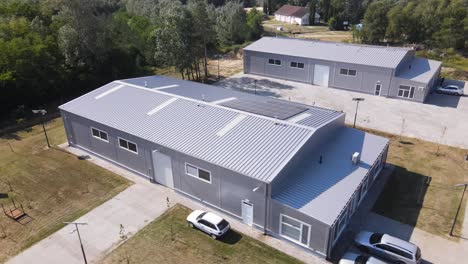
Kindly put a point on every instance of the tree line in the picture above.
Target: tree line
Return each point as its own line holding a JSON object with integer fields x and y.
{"x": 52, "y": 50}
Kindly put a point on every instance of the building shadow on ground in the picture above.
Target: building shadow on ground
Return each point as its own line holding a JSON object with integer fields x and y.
{"x": 392, "y": 206}
{"x": 255, "y": 86}
{"x": 445, "y": 100}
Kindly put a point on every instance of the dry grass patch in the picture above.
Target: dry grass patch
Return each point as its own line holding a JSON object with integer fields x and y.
{"x": 157, "y": 244}
{"x": 421, "y": 191}
{"x": 52, "y": 185}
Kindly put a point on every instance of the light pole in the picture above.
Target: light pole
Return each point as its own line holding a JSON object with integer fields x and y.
{"x": 459, "y": 205}
{"x": 255, "y": 86}
{"x": 43, "y": 112}
{"x": 357, "y": 99}
{"x": 79, "y": 237}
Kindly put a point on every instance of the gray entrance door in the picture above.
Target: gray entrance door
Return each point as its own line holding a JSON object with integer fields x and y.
{"x": 247, "y": 212}
{"x": 162, "y": 169}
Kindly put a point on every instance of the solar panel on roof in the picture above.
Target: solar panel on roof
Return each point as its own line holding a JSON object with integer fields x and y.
{"x": 270, "y": 108}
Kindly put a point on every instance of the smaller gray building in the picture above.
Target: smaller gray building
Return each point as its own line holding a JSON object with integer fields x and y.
{"x": 383, "y": 71}
{"x": 279, "y": 166}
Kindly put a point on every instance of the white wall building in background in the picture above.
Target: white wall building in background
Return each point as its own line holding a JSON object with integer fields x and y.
{"x": 295, "y": 15}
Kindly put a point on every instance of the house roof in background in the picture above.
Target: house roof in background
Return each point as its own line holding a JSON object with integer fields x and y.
{"x": 169, "y": 112}
{"x": 378, "y": 56}
{"x": 294, "y": 11}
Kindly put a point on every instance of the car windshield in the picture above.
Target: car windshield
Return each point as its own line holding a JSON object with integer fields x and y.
{"x": 361, "y": 260}
{"x": 418, "y": 254}
{"x": 223, "y": 224}
{"x": 201, "y": 215}
{"x": 375, "y": 238}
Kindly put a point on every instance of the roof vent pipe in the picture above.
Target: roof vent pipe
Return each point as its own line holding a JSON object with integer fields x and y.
{"x": 320, "y": 160}
{"x": 356, "y": 158}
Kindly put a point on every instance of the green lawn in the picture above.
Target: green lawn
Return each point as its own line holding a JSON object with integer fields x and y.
{"x": 52, "y": 185}
{"x": 155, "y": 244}
{"x": 421, "y": 191}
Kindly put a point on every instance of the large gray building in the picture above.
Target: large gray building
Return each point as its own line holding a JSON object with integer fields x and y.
{"x": 282, "y": 167}
{"x": 382, "y": 71}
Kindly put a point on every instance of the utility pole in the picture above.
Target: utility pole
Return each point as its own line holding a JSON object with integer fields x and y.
{"x": 43, "y": 112}
{"x": 459, "y": 205}
{"x": 79, "y": 237}
{"x": 357, "y": 100}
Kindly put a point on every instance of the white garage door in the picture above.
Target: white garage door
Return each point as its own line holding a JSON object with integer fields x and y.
{"x": 321, "y": 74}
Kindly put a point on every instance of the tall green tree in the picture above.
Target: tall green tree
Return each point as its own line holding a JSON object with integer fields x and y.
{"x": 376, "y": 21}
{"x": 231, "y": 27}
{"x": 254, "y": 23}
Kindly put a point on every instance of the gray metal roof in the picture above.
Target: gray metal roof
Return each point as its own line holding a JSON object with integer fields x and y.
{"x": 322, "y": 190}
{"x": 209, "y": 93}
{"x": 379, "y": 56}
{"x": 256, "y": 146}
{"x": 421, "y": 70}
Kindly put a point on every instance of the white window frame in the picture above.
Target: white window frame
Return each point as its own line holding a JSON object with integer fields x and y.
{"x": 299, "y": 242}
{"x": 274, "y": 64}
{"x": 197, "y": 176}
{"x": 343, "y": 217}
{"x": 347, "y": 72}
{"x": 100, "y": 131}
{"x": 297, "y": 65}
{"x": 127, "y": 149}
{"x": 409, "y": 91}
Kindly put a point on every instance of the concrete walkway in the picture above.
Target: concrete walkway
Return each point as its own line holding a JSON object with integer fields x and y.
{"x": 434, "y": 249}
{"x": 442, "y": 119}
{"x": 133, "y": 208}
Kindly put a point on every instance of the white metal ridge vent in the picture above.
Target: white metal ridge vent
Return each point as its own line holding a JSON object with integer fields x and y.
{"x": 99, "y": 96}
{"x": 299, "y": 117}
{"x": 161, "y": 106}
{"x": 233, "y": 123}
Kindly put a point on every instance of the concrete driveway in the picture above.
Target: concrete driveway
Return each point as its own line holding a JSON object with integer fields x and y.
{"x": 443, "y": 119}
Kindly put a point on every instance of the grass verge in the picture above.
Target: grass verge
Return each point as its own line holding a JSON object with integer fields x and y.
{"x": 52, "y": 185}
{"x": 420, "y": 191}
{"x": 169, "y": 239}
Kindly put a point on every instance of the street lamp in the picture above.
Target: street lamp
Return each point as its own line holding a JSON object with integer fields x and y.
{"x": 357, "y": 99}
{"x": 255, "y": 86}
{"x": 79, "y": 237}
{"x": 43, "y": 112}
{"x": 459, "y": 205}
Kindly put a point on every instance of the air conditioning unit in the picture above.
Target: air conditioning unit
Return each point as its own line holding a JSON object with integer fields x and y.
{"x": 356, "y": 158}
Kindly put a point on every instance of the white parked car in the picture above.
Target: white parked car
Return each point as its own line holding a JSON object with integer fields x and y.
{"x": 353, "y": 258}
{"x": 450, "y": 89}
{"x": 208, "y": 222}
{"x": 388, "y": 247}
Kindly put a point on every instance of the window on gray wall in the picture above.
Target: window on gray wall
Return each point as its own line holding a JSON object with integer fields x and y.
{"x": 348, "y": 72}
{"x": 406, "y": 91}
{"x": 274, "y": 62}
{"x": 298, "y": 65}
{"x": 99, "y": 134}
{"x": 294, "y": 230}
{"x": 130, "y": 146}
{"x": 196, "y": 172}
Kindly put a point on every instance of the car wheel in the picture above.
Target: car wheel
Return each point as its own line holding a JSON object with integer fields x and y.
{"x": 214, "y": 237}
{"x": 191, "y": 224}
{"x": 363, "y": 249}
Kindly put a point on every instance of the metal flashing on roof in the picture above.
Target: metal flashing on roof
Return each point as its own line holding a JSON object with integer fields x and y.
{"x": 161, "y": 106}
{"x": 270, "y": 108}
{"x": 220, "y": 101}
{"x": 101, "y": 95}
{"x": 234, "y": 122}
{"x": 299, "y": 117}
{"x": 165, "y": 87}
